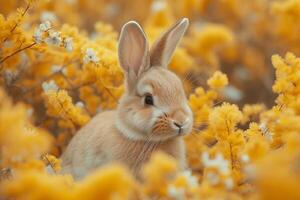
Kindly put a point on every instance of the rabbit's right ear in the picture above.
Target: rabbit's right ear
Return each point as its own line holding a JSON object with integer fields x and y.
{"x": 133, "y": 50}
{"x": 164, "y": 47}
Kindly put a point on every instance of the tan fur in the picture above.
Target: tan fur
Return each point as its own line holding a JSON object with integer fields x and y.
{"x": 135, "y": 130}
{"x": 100, "y": 141}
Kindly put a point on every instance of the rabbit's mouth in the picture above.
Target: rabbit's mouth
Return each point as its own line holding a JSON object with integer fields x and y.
{"x": 166, "y": 128}
{"x": 181, "y": 128}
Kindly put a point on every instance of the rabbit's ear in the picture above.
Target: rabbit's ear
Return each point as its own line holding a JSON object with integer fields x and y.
{"x": 133, "y": 49}
{"x": 163, "y": 48}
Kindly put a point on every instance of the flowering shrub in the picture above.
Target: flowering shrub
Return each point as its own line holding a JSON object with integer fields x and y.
{"x": 59, "y": 67}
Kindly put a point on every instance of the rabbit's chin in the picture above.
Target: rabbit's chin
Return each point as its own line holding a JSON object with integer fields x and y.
{"x": 165, "y": 137}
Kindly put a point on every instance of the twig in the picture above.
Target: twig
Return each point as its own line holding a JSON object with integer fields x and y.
{"x": 46, "y": 78}
{"x": 15, "y": 26}
{"x": 14, "y": 53}
{"x": 44, "y": 156}
{"x": 5, "y": 174}
{"x": 109, "y": 92}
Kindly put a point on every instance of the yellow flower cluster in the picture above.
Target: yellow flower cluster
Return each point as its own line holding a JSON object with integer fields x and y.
{"x": 20, "y": 141}
{"x": 59, "y": 68}
{"x": 59, "y": 103}
{"x": 101, "y": 183}
{"x": 218, "y": 80}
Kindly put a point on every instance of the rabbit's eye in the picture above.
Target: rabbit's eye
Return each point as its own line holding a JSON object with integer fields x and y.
{"x": 148, "y": 99}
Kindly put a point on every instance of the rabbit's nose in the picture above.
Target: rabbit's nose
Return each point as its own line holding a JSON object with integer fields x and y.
{"x": 177, "y": 124}
{"x": 178, "y": 127}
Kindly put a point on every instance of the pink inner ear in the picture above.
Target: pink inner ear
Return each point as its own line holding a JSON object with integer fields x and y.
{"x": 132, "y": 47}
{"x": 136, "y": 52}
{"x": 164, "y": 47}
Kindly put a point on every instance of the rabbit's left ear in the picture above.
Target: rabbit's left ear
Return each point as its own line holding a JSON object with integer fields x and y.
{"x": 163, "y": 48}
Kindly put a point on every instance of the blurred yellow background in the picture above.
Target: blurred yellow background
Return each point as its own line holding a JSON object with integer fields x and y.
{"x": 240, "y": 68}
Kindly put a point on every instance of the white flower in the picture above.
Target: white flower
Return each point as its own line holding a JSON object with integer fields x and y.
{"x": 38, "y": 33}
{"x": 90, "y": 56}
{"x": 47, "y": 15}
{"x": 29, "y": 130}
{"x": 24, "y": 58}
{"x": 49, "y": 86}
{"x": 79, "y": 104}
{"x": 26, "y": 26}
{"x": 213, "y": 178}
{"x": 29, "y": 112}
{"x": 112, "y": 9}
{"x": 45, "y": 26}
{"x": 264, "y": 129}
{"x": 54, "y": 39}
{"x": 38, "y": 36}
{"x": 158, "y": 5}
{"x": 218, "y": 162}
{"x": 245, "y": 158}
{"x": 50, "y": 170}
{"x": 242, "y": 73}
{"x": 228, "y": 183}
{"x": 72, "y": 2}
{"x": 176, "y": 193}
{"x": 192, "y": 180}
{"x": 9, "y": 76}
{"x": 7, "y": 44}
{"x": 56, "y": 68}
{"x": 17, "y": 158}
{"x": 94, "y": 35}
{"x": 65, "y": 71}
{"x": 250, "y": 171}
{"x": 68, "y": 44}
{"x": 232, "y": 93}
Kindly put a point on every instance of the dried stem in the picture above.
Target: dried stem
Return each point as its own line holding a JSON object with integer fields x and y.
{"x": 14, "y": 53}
{"x": 16, "y": 25}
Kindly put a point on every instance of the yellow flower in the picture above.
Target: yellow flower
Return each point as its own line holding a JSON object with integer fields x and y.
{"x": 158, "y": 173}
{"x": 111, "y": 182}
{"x": 59, "y": 104}
{"x": 218, "y": 80}
{"x": 46, "y": 186}
{"x": 19, "y": 139}
{"x": 223, "y": 120}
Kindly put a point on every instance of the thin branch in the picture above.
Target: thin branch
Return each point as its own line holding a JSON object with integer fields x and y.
{"x": 5, "y": 174}
{"x": 109, "y": 92}
{"x": 16, "y": 25}
{"x": 14, "y": 53}
{"x": 44, "y": 156}
{"x": 46, "y": 78}
{"x": 230, "y": 146}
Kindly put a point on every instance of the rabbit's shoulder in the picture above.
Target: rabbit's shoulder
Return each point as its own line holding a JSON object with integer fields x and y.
{"x": 92, "y": 135}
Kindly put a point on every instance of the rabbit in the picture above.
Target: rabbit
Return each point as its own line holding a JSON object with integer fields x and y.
{"x": 152, "y": 115}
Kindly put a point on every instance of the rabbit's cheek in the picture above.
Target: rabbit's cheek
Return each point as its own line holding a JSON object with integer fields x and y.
{"x": 162, "y": 128}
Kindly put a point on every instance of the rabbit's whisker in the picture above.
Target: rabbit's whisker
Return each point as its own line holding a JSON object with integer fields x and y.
{"x": 219, "y": 102}
{"x": 200, "y": 123}
{"x": 195, "y": 136}
{"x": 195, "y": 129}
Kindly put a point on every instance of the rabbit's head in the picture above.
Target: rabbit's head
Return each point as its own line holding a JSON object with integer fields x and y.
{"x": 154, "y": 106}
